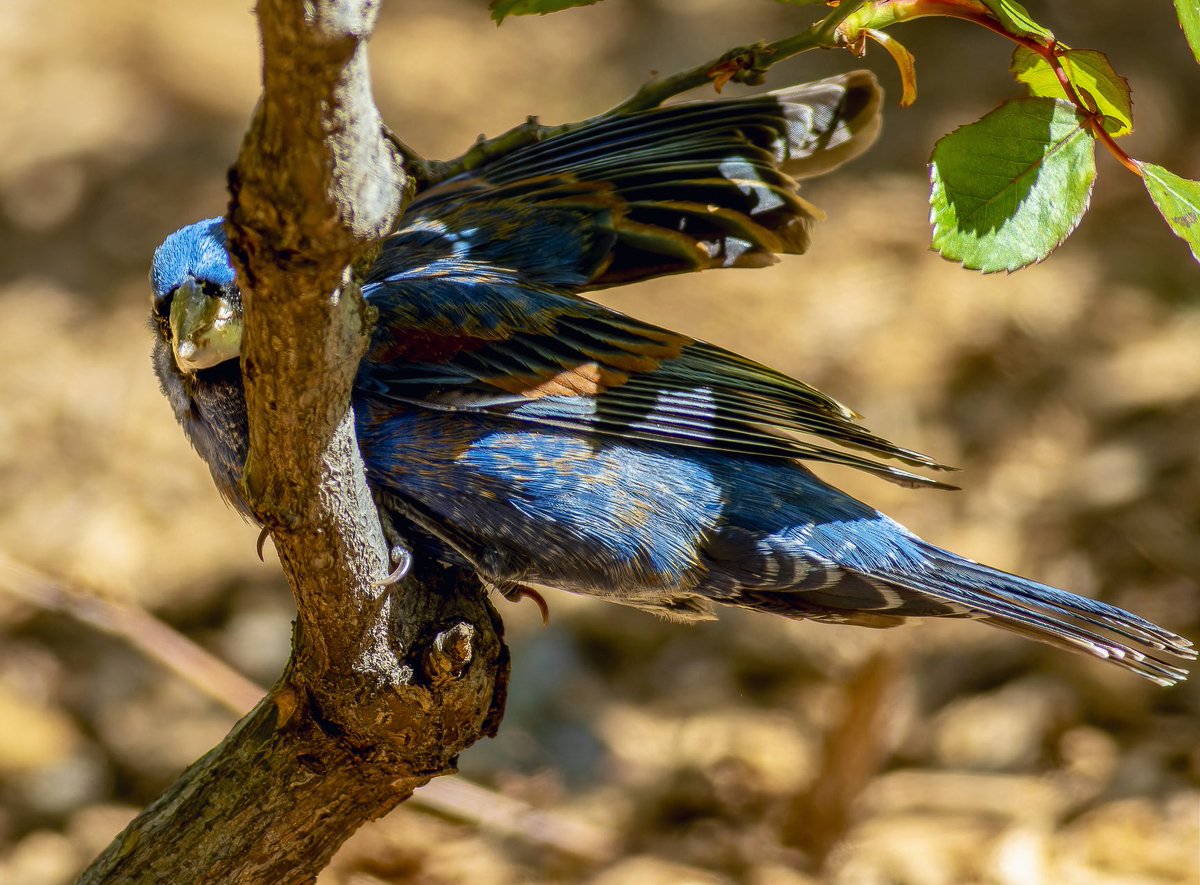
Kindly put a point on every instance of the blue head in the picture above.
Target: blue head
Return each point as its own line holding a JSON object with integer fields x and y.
{"x": 196, "y": 252}
{"x": 197, "y": 319}
{"x": 196, "y": 301}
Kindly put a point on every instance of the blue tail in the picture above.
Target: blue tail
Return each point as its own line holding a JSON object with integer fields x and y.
{"x": 797, "y": 547}
{"x": 931, "y": 582}
{"x": 1050, "y": 615}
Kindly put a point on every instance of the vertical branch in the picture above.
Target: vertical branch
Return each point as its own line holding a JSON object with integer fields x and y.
{"x": 386, "y": 685}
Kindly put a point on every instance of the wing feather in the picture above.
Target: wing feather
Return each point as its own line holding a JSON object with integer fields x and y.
{"x": 666, "y": 190}
{"x": 572, "y": 364}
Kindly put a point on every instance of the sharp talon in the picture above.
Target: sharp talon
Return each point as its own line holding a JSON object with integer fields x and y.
{"x": 518, "y": 592}
{"x": 403, "y": 559}
{"x": 262, "y": 539}
{"x": 539, "y": 601}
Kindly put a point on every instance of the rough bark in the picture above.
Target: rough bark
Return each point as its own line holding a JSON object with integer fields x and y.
{"x": 386, "y": 685}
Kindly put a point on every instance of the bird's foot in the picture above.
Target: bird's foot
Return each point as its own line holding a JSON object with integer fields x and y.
{"x": 402, "y": 561}
{"x": 262, "y": 539}
{"x": 517, "y": 592}
{"x": 399, "y": 552}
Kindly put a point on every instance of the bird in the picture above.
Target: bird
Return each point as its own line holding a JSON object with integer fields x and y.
{"x": 510, "y": 425}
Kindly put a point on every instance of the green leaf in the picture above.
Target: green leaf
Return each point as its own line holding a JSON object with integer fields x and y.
{"x": 1007, "y": 189}
{"x": 1017, "y": 20}
{"x": 1178, "y": 199}
{"x": 1089, "y": 71}
{"x": 1189, "y": 19}
{"x": 501, "y": 9}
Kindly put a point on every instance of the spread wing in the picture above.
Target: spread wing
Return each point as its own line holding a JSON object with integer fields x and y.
{"x": 474, "y": 338}
{"x": 668, "y": 190}
{"x": 474, "y": 288}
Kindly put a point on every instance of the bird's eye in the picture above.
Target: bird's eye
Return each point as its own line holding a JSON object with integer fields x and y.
{"x": 160, "y": 302}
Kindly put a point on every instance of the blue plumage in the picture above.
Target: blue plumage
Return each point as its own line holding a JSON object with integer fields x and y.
{"x": 512, "y": 426}
{"x": 196, "y": 251}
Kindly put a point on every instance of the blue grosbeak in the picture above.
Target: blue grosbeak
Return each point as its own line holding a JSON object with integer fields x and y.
{"x": 509, "y": 425}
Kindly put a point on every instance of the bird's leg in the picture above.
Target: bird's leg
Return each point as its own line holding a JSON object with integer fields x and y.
{"x": 494, "y": 563}
{"x": 493, "y": 566}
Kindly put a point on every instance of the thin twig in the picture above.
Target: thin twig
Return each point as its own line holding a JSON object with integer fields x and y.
{"x": 743, "y": 64}
{"x": 150, "y": 636}
{"x": 1048, "y": 49}
{"x": 455, "y": 796}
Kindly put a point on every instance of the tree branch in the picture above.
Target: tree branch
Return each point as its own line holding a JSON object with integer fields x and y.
{"x": 453, "y": 797}
{"x": 386, "y": 685}
{"x": 743, "y": 64}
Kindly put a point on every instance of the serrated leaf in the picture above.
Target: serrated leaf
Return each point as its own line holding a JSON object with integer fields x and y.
{"x": 502, "y": 9}
{"x": 1007, "y": 189}
{"x": 1188, "y": 12}
{"x": 1017, "y": 20}
{"x": 1178, "y": 199}
{"x": 1089, "y": 71}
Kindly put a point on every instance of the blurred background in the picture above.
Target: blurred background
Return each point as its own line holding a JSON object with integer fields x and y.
{"x": 633, "y": 751}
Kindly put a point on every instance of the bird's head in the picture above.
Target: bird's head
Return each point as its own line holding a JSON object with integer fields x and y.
{"x": 196, "y": 314}
{"x": 196, "y": 303}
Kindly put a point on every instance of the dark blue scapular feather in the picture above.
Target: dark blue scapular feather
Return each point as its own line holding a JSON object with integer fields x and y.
{"x": 513, "y": 426}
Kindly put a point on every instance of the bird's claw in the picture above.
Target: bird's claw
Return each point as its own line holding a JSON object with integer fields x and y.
{"x": 517, "y": 592}
{"x": 262, "y": 540}
{"x": 402, "y": 560}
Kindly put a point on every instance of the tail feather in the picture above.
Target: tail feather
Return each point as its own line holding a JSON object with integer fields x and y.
{"x": 1050, "y": 615}
{"x": 872, "y": 586}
